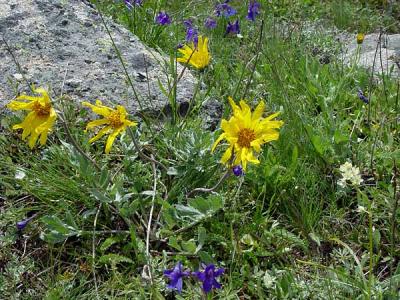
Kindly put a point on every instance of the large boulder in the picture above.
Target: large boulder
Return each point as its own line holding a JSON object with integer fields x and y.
{"x": 63, "y": 44}
{"x": 381, "y": 52}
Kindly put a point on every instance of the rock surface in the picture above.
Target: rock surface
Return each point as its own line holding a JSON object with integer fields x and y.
{"x": 62, "y": 43}
{"x": 388, "y": 51}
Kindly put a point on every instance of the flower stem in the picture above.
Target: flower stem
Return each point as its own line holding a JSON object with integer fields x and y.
{"x": 141, "y": 154}
{"x": 209, "y": 190}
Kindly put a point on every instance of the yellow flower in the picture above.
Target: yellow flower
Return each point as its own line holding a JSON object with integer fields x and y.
{"x": 360, "y": 38}
{"x": 114, "y": 120}
{"x": 198, "y": 57}
{"x": 246, "y": 132}
{"x": 39, "y": 122}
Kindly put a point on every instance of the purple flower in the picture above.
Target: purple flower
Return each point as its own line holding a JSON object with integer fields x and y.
{"x": 210, "y": 23}
{"x": 175, "y": 276}
{"x": 238, "y": 170}
{"x": 233, "y": 28}
{"x": 253, "y": 10}
{"x": 188, "y": 23}
{"x": 22, "y": 224}
{"x": 362, "y": 97}
{"x": 163, "y": 18}
{"x": 224, "y": 9}
{"x": 129, "y": 3}
{"x": 207, "y": 277}
{"x": 191, "y": 32}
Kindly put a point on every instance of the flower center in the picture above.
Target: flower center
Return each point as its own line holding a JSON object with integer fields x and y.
{"x": 42, "y": 111}
{"x": 115, "y": 119}
{"x": 246, "y": 136}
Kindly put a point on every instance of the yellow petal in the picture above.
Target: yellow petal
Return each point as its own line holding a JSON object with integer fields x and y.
{"x": 95, "y": 123}
{"x": 32, "y": 139}
{"x": 235, "y": 108}
{"x": 251, "y": 158}
{"x": 16, "y": 105}
{"x": 110, "y": 140}
{"x": 271, "y": 135}
{"x": 246, "y": 114}
{"x": 256, "y": 144}
{"x": 43, "y": 137}
{"x": 129, "y": 123}
{"x": 227, "y": 155}
{"x": 102, "y": 132}
{"x": 219, "y": 139}
{"x": 98, "y": 108}
{"x": 258, "y": 112}
{"x": 42, "y": 92}
{"x": 205, "y": 44}
{"x": 273, "y": 116}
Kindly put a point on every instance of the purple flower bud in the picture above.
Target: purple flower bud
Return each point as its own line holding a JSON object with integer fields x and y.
{"x": 175, "y": 276}
{"x": 362, "y": 97}
{"x": 192, "y": 35}
{"x": 210, "y": 23}
{"x": 208, "y": 278}
{"x": 224, "y": 9}
{"x": 191, "y": 32}
{"x": 253, "y": 10}
{"x": 233, "y": 29}
{"x": 163, "y": 18}
{"x": 188, "y": 23}
{"x": 238, "y": 170}
{"x": 22, "y": 224}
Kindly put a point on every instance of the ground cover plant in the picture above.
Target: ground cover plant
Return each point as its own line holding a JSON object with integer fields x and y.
{"x": 293, "y": 195}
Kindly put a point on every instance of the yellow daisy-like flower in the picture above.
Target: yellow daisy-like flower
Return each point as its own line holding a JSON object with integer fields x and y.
{"x": 198, "y": 57}
{"x": 114, "y": 121}
{"x": 246, "y": 132}
{"x": 39, "y": 122}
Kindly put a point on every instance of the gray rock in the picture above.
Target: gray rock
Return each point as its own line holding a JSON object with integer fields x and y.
{"x": 61, "y": 43}
{"x": 388, "y": 52}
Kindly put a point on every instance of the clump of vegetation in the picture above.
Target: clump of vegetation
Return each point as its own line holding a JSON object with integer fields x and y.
{"x": 305, "y": 204}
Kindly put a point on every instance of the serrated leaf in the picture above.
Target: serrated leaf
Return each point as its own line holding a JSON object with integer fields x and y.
{"x": 108, "y": 243}
{"x": 114, "y": 259}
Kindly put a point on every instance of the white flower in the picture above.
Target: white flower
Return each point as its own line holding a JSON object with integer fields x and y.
{"x": 18, "y": 76}
{"x": 350, "y": 175}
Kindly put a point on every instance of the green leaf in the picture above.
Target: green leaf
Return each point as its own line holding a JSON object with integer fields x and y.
{"x": 100, "y": 196}
{"x": 57, "y": 230}
{"x": 189, "y": 246}
{"x": 55, "y": 224}
{"x": 318, "y": 144}
{"x": 295, "y": 157}
{"x": 114, "y": 259}
{"x": 205, "y": 257}
{"x": 201, "y": 238}
{"x": 173, "y": 242}
{"x": 340, "y": 137}
{"x": 104, "y": 177}
{"x": 108, "y": 243}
